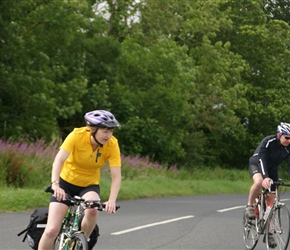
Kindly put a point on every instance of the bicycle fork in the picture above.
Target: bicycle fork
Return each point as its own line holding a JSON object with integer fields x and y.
{"x": 67, "y": 243}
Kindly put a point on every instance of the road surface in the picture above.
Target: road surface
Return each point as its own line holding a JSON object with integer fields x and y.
{"x": 191, "y": 222}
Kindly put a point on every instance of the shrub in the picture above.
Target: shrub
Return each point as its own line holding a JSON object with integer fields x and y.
{"x": 24, "y": 164}
{"x": 13, "y": 169}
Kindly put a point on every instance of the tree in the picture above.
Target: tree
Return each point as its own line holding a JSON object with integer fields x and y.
{"x": 264, "y": 44}
{"x": 41, "y": 65}
{"x": 151, "y": 100}
{"x": 170, "y": 63}
{"x": 278, "y": 9}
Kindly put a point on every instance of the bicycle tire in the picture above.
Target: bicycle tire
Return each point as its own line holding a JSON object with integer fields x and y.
{"x": 77, "y": 241}
{"x": 279, "y": 226}
{"x": 250, "y": 234}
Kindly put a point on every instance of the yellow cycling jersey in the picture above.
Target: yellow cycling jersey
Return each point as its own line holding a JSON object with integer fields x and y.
{"x": 81, "y": 168}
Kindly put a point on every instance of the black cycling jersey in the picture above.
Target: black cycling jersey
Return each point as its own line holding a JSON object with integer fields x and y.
{"x": 269, "y": 155}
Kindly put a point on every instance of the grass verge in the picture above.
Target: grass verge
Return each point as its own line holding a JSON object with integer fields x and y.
{"x": 20, "y": 199}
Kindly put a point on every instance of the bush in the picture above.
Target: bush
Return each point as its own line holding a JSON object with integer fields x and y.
{"x": 13, "y": 169}
{"x": 26, "y": 165}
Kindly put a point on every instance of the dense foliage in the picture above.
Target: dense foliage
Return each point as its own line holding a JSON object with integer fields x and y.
{"x": 29, "y": 165}
{"x": 193, "y": 82}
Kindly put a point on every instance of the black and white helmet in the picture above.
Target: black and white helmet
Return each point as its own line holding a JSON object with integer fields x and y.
{"x": 284, "y": 128}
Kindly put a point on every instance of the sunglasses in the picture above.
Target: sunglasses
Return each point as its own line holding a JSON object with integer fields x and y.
{"x": 287, "y": 138}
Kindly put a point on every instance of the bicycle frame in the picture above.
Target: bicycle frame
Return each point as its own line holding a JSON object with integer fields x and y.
{"x": 70, "y": 223}
{"x": 261, "y": 203}
{"x": 75, "y": 213}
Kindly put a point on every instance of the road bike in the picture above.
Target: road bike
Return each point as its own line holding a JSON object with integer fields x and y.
{"x": 70, "y": 236}
{"x": 276, "y": 223}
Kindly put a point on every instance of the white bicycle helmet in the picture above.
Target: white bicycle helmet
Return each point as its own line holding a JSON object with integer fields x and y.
{"x": 101, "y": 119}
{"x": 284, "y": 128}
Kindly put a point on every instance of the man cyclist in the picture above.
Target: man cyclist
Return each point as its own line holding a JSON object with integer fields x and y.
{"x": 263, "y": 166}
{"x": 76, "y": 171}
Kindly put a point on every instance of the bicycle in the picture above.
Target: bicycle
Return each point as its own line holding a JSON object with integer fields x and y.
{"x": 70, "y": 236}
{"x": 276, "y": 223}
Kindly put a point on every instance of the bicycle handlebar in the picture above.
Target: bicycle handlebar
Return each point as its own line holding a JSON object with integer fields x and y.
{"x": 281, "y": 183}
{"x": 88, "y": 203}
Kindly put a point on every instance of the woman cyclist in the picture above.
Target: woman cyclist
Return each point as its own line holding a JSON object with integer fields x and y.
{"x": 76, "y": 171}
{"x": 264, "y": 163}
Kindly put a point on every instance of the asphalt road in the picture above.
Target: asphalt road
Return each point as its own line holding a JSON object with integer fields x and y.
{"x": 195, "y": 222}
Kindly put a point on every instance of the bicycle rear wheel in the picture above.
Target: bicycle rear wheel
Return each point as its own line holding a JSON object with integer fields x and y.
{"x": 250, "y": 234}
{"x": 279, "y": 227}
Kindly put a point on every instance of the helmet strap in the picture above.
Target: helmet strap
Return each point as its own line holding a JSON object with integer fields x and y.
{"x": 94, "y": 136}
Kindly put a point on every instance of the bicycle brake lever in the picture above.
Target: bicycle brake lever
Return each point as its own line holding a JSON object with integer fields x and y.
{"x": 271, "y": 183}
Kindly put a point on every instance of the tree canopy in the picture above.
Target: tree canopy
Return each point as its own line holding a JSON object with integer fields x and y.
{"x": 193, "y": 83}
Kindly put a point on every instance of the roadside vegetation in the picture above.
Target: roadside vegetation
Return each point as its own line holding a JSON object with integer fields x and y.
{"x": 194, "y": 82}
{"x": 25, "y": 172}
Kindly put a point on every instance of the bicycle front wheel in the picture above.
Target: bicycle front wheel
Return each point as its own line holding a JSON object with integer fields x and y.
{"x": 250, "y": 234}
{"x": 78, "y": 242}
{"x": 279, "y": 228}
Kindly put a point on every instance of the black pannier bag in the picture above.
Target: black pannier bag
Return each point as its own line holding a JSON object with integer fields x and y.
{"x": 35, "y": 228}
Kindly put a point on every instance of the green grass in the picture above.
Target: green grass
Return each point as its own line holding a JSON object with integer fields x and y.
{"x": 25, "y": 172}
{"x": 161, "y": 187}
{"x": 20, "y": 199}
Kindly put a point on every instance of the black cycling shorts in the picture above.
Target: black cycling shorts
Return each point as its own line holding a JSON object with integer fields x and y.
{"x": 73, "y": 190}
{"x": 253, "y": 169}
